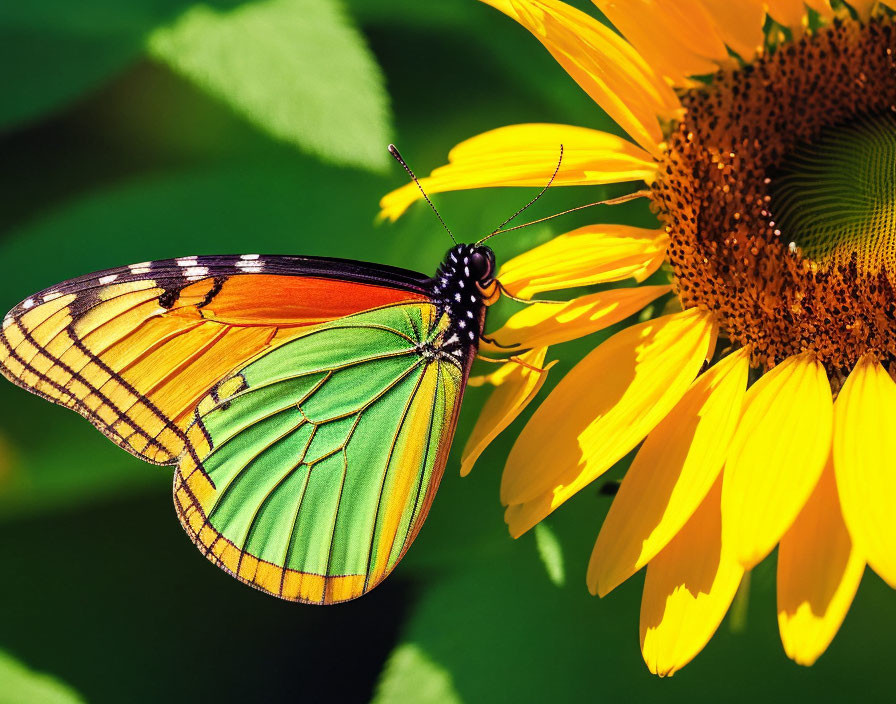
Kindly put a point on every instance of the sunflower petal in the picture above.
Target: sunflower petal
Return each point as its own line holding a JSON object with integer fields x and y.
{"x": 678, "y": 39}
{"x": 792, "y": 13}
{"x": 739, "y": 24}
{"x": 776, "y": 456}
{"x": 864, "y": 447}
{"x": 607, "y": 67}
{"x": 864, "y": 7}
{"x": 592, "y": 254}
{"x": 543, "y": 324}
{"x": 526, "y": 155}
{"x": 600, "y": 410}
{"x": 671, "y": 474}
{"x": 687, "y": 591}
{"x": 516, "y": 385}
{"x": 819, "y": 571}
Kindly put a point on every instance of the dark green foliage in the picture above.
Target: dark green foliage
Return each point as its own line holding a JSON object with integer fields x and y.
{"x": 111, "y": 157}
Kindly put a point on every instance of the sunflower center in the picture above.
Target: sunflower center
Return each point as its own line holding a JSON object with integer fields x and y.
{"x": 836, "y": 196}
{"x": 777, "y": 190}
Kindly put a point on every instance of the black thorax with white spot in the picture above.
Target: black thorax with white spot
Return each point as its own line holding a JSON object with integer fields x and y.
{"x": 456, "y": 292}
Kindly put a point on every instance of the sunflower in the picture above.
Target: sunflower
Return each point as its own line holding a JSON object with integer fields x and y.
{"x": 765, "y": 137}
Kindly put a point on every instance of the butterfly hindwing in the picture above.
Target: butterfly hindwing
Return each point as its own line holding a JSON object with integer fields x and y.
{"x": 134, "y": 349}
{"x": 312, "y": 468}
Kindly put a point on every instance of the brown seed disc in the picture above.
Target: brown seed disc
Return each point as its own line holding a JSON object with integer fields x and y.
{"x": 715, "y": 187}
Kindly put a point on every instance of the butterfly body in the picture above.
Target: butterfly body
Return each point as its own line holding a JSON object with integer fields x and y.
{"x": 308, "y": 404}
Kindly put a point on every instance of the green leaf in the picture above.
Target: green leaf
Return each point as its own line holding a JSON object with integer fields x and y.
{"x": 18, "y": 684}
{"x": 411, "y": 675}
{"x": 295, "y": 68}
{"x": 550, "y": 552}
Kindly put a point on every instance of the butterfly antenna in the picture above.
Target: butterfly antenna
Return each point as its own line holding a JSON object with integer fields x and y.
{"x": 611, "y": 201}
{"x": 531, "y": 202}
{"x": 394, "y": 152}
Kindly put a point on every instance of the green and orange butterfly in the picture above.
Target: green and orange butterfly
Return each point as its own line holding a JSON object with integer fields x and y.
{"x": 307, "y": 404}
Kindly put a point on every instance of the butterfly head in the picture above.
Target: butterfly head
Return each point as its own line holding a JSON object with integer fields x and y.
{"x": 482, "y": 264}
{"x": 465, "y": 282}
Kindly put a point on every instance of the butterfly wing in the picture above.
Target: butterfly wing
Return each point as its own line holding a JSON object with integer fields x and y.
{"x": 134, "y": 349}
{"x": 312, "y": 468}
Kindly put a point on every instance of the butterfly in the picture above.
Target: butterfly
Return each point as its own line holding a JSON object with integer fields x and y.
{"x": 307, "y": 404}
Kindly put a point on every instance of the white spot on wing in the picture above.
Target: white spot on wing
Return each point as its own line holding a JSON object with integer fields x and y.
{"x": 186, "y": 261}
{"x": 141, "y": 265}
{"x": 248, "y": 257}
{"x": 252, "y": 266}
{"x": 453, "y": 338}
{"x": 138, "y": 270}
{"x": 196, "y": 271}
{"x": 108, "y": 279}
{"x": 29, "y": 303}
{"x": 51, "y": 296}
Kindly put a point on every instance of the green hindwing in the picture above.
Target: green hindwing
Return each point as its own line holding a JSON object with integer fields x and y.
{"x": 311, "y": 470}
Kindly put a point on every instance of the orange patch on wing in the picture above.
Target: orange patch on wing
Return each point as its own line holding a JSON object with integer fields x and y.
{"x": 285, "y": 301}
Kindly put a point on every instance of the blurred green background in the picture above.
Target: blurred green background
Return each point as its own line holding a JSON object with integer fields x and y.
{"x": 149, "y": 129}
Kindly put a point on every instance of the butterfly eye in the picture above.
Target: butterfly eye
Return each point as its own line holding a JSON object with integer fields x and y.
{"x": 482, "y": 264}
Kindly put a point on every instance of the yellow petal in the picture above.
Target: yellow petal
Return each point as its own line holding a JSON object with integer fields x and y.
{"x": 865, "y": 7}
{"x": 678, "y": 39}
{"x": 776, "y": 456}
{"x": 526, "y": 155}
{"x": 739, "y": 24}
{"x": 543, "y": 324}
{"x": 590, "y": 255}
{"x": 864, "y": 448}
{"x": 819, "y": 572}
{"x": 792, "y": 13}
{"x": 687, "y": 591}
{"x": 607, "y": 67}
{"x": 516, "y": 385}
{"x": 671, "y": 474}
{"x": 600, "y": 410}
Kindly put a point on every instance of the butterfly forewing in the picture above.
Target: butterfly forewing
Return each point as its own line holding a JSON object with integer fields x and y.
{"x": 133, "y": 349}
